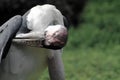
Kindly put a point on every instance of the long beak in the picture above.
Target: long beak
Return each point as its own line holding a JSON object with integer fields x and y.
{"x": 29, "y": 39}
{"x": 29, "y": 42}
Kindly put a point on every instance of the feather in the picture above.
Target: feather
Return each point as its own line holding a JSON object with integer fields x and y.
{"x": 8, "y": 32}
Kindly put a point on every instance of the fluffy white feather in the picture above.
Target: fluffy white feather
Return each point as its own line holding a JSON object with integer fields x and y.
{"x": 40, "y": 17}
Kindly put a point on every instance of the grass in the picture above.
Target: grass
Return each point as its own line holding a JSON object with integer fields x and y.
{"x": 91, "y": 64}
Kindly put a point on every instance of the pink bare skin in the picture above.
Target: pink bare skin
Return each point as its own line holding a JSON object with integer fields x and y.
{"x": 57, "y": 38}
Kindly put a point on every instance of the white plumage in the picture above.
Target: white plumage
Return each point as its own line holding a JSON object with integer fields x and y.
{"x": 40, "y": 17}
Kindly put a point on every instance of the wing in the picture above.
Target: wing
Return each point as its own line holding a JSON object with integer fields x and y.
{"x": 23, "y": 28}
{"x": 7, "y": 33}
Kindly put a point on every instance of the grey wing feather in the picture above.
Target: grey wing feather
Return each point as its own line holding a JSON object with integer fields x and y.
{"x": 23, "y": 28}
{"x": 7, "y": 32}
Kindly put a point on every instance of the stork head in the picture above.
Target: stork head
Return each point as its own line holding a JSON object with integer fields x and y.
{"x": 46, "y": 27}
{"x": 55, "y": 36}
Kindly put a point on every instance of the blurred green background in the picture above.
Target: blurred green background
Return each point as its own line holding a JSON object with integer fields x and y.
{"x": 93, "y": 48}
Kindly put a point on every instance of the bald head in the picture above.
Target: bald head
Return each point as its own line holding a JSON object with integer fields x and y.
{"x": 56, "y": 36}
